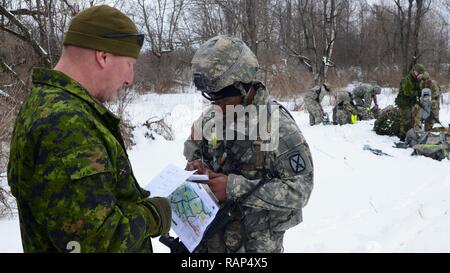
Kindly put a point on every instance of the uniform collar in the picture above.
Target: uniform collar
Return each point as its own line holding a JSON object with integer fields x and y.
{"x": 61, "y": 80}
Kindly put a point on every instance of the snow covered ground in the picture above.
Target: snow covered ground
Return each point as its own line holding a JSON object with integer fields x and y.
{"x": 360, "y": 203}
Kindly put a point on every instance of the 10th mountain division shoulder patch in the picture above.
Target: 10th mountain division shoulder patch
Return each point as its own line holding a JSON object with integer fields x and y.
{"x": 297, "y": 163}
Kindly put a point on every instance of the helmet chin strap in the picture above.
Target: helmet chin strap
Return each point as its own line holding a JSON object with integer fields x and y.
{"x": 204, "y": 94}
{"x": 244, "y": 93}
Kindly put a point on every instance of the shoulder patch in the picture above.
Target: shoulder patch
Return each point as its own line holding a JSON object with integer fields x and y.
{"x": 297, "y": 163}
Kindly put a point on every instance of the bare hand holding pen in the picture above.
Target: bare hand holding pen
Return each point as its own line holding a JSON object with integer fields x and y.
{"x": 217, "y": 181}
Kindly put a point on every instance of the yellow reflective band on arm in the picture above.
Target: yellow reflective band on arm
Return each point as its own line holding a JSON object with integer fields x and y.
{"x": 214, "y": 141}
{"x": 354, "y": 119}
{"x": 430, "y": 145}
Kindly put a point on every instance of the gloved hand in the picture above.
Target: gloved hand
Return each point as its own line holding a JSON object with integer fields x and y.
{"x": 325, "y": 119}
{"x": 163, "y": 206}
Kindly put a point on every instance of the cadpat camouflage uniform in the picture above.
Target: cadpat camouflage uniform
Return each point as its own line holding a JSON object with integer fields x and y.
{"x": 71, "y": 176}
{"x": 407, "y": 99}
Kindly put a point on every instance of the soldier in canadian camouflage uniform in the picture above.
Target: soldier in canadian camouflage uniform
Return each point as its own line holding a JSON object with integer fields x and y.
{"x": 408, "y": 97}
{"x": 344, "y": 112}
{"x": 363, "y": 95}
{"x": 313, "y": 100}
{"x": 277, "y": 183}
{"x": 68, "y": 167}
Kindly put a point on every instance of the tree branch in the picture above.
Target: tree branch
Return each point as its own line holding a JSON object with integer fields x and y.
{"x": 26, "y": 36}
{"x": 11, "y": 71}
{"x": 28, "y": 12}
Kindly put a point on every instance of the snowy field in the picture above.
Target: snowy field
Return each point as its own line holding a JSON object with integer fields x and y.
{"x": 360, "y": 203}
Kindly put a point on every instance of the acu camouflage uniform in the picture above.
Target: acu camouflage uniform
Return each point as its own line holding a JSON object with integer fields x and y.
{"x": 344, "y": 109}
{"x": 365, "y": 94}
{"x": 313, "y": 100}
{"x": 363, "y": 97}
{"x": 276, "y": 205}
{"x": 71, "y": 176}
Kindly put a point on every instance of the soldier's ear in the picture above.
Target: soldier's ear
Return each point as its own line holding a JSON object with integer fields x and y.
{"x": 101, "y": 58}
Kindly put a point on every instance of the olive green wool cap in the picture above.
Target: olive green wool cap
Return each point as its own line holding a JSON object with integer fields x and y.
{"x": 106, "y": 29}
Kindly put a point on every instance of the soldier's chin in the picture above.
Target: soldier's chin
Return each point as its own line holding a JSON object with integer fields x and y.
{"x": 112, "y": 97}
{"x": 105, "y": 99}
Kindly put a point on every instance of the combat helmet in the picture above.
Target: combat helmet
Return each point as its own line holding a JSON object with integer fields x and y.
{"x": 342, "y": 96}
{"x": 221, "y": 62}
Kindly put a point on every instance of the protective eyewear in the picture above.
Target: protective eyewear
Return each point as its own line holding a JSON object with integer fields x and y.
{"x": 139, "y": 37}
{"x": 203, "y": 84}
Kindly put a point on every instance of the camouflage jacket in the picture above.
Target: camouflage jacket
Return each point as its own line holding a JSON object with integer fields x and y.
{"x": 315, "y": 95}
{"x": 427, "y": 82}
{"x": 276, "y": 205}
{"x": 365, "y": 93}
{"x": 71, "y": 176}
{"x": 409, "y": 92}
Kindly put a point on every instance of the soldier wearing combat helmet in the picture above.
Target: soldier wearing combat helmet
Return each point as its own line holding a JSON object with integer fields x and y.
{"x": 267, "y": 189}
{"x": 344, "y": 112}
{"x": 313, "y": 100}
{"x": 363, "y": 95}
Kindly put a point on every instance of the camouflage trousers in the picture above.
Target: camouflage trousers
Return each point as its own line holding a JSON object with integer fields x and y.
{"x": 407, "y": 115}
{"x": 364, "y": 113}
{"x": 341, "y": 117}
{"x": 315, "y": 113}
{"x": 429, "y": 122}
{"x": 250, "y": 235}
{"x": 359, "y": 102}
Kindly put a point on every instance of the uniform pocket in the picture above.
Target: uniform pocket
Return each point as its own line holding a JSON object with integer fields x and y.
{"x": 282, "y": 221}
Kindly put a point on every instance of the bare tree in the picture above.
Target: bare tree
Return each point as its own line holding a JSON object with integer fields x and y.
{"x": 409, "y": 22}
{"x": 313, "y": 50}
{"x": 24, "y": 34}
{"x": 160, "y": 19}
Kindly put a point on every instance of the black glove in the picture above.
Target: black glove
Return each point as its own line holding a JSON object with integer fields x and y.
{"x": 174, "y": 244}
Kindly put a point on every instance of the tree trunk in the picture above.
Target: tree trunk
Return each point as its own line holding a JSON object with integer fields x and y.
{"x": 251, "y": 28}
{"x": 417, "y": 25}
{"x": 328, "y": 39}
{"x": 407, "y": 55}
{"x": 2, "y": 22}
{"x": 229, "y": 20}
